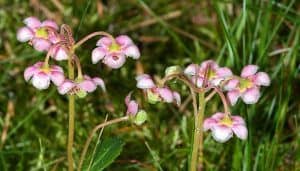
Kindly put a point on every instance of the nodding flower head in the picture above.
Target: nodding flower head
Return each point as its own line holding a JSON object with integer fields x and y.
{"x": 113, "y": 53}
{"x": 247, "y": 86}
{"x": 40, "y": 34}
{"x": 41, "y": 75}
{"x": 132, "y": 106}
{"x": 155, "y": 93}
{"x": 223, "y": 126}
{"x": 81, "y": 86}
{"x": 214, "y": 73}
{"x": 144, "y": 81}
{"x": 59, "y": 52}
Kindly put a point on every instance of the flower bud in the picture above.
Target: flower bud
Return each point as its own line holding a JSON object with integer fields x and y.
{"x": 173, "y": 70}
{"x": 81, "y": 93}
{"x": 153, "y": 97}
{"x": 140, "y": 117}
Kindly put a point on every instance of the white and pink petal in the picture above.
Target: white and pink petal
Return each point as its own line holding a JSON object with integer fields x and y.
{"x": 49, "y": 23}
{"x": 104, "y": 42}
{"x": 191, "y": 69}
{"x": 59, "y": 53}
{"x": 198, "y": 81}
{"x": 66, "y": 86}
{"x": 124, "y": 40}
{"x": 25, "y": 34}
{"x": 114, "y": 61}
{"x": 233, "y": 96}
{"x": 251, "y": 96}
{"x": 29, "y": 72}
{"x": 209, "y": 123}
{"x": 249, "y": 70}
{"x": 99, "y": 82}
{"x": 240, "y": 131}
{"x": 87, "y": 85}
{"x": 223, "y": 72}
{"x": 166, "y": 94}
{"x": 262, "y": 79}
{"x": 144, "y": 81}
{"x": 221, "y": 133}
{"x": 231, "y": 84}
{"x": 41, "y": 44}
{"x": 32, "y": 22}
{"x": 177, "y": 98}
{"x": 132, "y": 51}
{"x": 237, "y": 120}
{"x": 41, "y": 81}
{"x": 212, "y": 64}
{"x": 98, "y": 54}
{"x": 57, "y": 77}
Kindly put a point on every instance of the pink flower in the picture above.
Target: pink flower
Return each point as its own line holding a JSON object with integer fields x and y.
{"x": 155, "y": 93}
{"x": 114, "y": 54}
{"x": 41, "y": 75}
{"x": 81, "y": 87}
{"x": 223, "y": 126}
{"x": 40, "y": 34}
{"x": 144, "y": 81}
{"x": 132, "y": 105}
{"x": 215, "y": 75}
{"x": 58, "y": 52}
{"x": 247, "y": 86}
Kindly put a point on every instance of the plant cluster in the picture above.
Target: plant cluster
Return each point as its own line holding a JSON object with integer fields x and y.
{"x": 204, "y": 81}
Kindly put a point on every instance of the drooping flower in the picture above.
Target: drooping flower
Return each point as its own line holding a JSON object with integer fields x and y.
{"x": 215, "y": 74}
{"x": 58, "y": 52}
{"x": 223, "y": 126}
{"x": 41, "y": 75}
{"x": 247, "y": 86}
{"x": 155, "y": 93}
{"x": 113, "y": 53}
{"x": 40, "y": 34}
{"x": 137, "y": 116}
{"x": 81, "y": 86}
{"x": 132, "y": 105}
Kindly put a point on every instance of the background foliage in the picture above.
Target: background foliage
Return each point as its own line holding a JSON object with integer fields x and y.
{"x": 168, "y": 32}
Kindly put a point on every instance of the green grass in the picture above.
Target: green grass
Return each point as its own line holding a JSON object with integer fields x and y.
{"x": 234, "y": 33}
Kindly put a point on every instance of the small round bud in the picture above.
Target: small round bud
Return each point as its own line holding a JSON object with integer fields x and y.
{"x": 81, "y": 93}
{"x": 173, "y": 70}
{"x": 140, "y": 117}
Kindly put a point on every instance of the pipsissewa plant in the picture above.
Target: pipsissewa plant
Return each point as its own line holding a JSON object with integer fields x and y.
{"x": 203, "y": 79}
{"x": 206, "y": 80}
{"x": 60, "y": 45}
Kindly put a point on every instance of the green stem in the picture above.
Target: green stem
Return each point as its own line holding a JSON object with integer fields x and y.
{"x": 88, "y": 141}
{"x": 198, "y": 136}
{"x": 71, "y": 118}
{"x": 202, "y": 104}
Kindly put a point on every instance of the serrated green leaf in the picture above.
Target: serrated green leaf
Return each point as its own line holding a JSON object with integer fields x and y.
{"x": 106, "y": 152}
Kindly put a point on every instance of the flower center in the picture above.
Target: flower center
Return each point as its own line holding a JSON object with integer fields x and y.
{"x": 211, "y": 74}
{"x": 114, "y": 47}
{"x": 79, "y": 79}
{"x": 41, "y": 33}
{"x": 45, "y": 69}
{"x": 226, "y": 121}
{"x": 245, "y": 84}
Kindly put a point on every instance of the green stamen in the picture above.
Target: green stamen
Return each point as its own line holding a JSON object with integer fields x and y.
{"x": 41, "y": 32}
{"x": 114, "y": 47}
{"x": 226, "y": 121}
{"x": 244, "y": 84}
{"x": 211, "y": 74}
